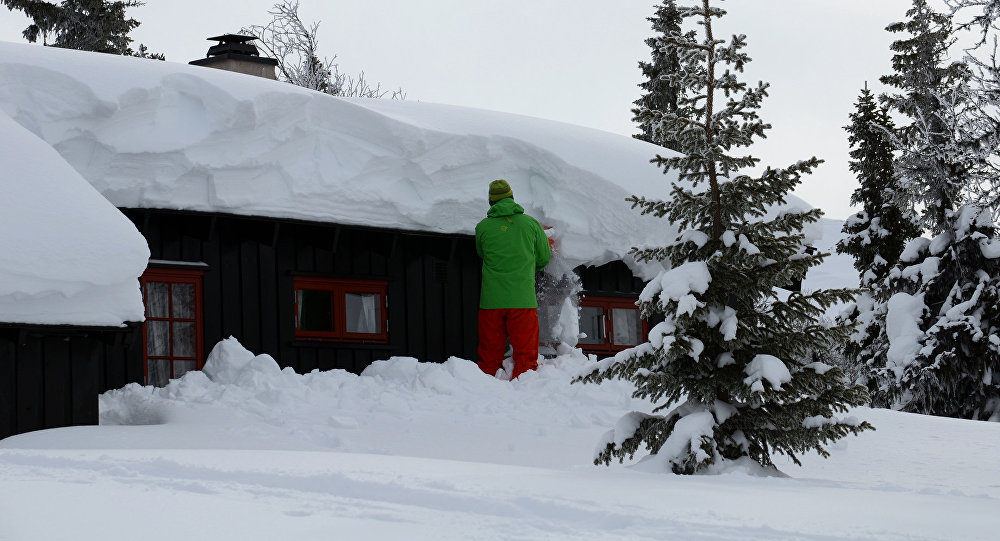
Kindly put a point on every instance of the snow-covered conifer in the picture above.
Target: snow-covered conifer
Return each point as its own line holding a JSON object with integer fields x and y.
{"x": 875, "y": 236}
{"x": 926, "y": 79}
{"x": 938, "y": 342}
{"x": 729, "y": 362}
{"x": 659, "y": 93}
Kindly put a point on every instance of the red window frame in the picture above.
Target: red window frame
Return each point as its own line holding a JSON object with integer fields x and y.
{"x": 339, "y": 289}
{"x": 173, "y": 276}
{"x": 607, "y": 304}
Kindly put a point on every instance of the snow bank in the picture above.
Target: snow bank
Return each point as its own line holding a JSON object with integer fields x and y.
{"x": 67, "y": 256}
{"x": 242, "y": 400}
{"x": 165, "y": 135}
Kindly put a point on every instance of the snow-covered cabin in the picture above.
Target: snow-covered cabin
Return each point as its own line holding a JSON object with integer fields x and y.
{"x": 326, "y": 232}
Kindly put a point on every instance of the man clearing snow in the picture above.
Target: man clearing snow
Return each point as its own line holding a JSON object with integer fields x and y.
{"x": 513, "y": 247}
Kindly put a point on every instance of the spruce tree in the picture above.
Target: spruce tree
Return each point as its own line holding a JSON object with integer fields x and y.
{"x": 96, "y": 25}
{"x": 925, "y": 80}
{"x": 659, "y": 93}
{"x": 876, "y": 235}
{"x": 86, "y": 25}
{"x": 731, "y": 350}
{"x": 939, "y": 344}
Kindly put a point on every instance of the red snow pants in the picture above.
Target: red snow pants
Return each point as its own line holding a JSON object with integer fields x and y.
{"x": 496, "y": 325}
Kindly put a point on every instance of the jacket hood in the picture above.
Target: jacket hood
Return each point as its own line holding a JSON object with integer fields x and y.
{"x": 505, "y": 207}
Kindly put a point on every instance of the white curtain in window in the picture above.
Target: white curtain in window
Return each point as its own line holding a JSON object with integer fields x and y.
{"x": 363, "y": 313}
{"x": 626, "y": 323}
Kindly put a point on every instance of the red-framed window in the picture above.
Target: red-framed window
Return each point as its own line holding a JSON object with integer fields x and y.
{"x": 173, "y": 333}
{"x": 611, "y": 324}
{"x": 341, "y": 310}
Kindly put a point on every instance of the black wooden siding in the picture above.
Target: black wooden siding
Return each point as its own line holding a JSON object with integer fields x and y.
{"x": 613, "y": 279}
{"x": 248, "y": 289}
{"x": 51, "y": 376}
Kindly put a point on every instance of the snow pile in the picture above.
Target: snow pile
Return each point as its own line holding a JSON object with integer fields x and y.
{"x": 67, "y": 256}
{"x": 165, "y": 135}
{"x": 439, "y": 451}
{"x": 902, "y": 327}
{"x": 241, "y": 400}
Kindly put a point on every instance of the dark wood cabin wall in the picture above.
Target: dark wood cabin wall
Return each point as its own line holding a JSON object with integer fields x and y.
{"x": 613, "y": 279}
{"x": 51, "y": 378}
{"x": 248, "y": 289}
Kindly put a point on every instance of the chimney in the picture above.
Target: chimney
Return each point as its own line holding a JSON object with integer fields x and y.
{"x": 235, "y": 53}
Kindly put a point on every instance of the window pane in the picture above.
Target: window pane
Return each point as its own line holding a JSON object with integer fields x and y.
{"x": 592, "y": 324}
{"x": 157, "y": 299}
{"x": 364, "y": 313}
{"x": 315, "y": 310}
{"x": 627, "y": 326}
{"x": 184, "y": 339}
{"x": 157, "y": 338}
{"x": 158, "y": 372}
{"x": 182, "y": 367}
{"x": 183, "y": 299}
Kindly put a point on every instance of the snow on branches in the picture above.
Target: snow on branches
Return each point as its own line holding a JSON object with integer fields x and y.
{"x": 730, "y": 361}
{"x": 928, "y": 333}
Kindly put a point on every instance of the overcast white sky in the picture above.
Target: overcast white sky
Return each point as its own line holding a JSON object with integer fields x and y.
{"x": 575, "y": 60}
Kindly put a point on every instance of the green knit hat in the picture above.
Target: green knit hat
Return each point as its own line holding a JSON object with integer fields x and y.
{"x": 499, "y": 189}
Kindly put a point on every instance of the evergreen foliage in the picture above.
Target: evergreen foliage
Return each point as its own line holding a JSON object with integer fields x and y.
{"x": 982, "y": 16}
{"x": 926, "y": 80}
{"x": 948, "y": 291}
{"x": 95, "y": 25}
{"x": 730, "y": 346}
{"x": 86, "y": 25}
{"x": 659, "y": 93}
{"x": 930, "y": 339}
{"x": 43, "y": 14}
{"x": 876, "y": 235}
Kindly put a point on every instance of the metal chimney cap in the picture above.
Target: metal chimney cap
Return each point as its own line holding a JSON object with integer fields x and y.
{"x": 232, "y": 38}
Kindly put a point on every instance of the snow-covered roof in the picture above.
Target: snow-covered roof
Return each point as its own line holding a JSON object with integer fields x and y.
{"x": 67, "y": 255}
{"x": 155, "y": 134}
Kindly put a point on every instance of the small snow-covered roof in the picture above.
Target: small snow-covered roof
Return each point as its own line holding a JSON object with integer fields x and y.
{"x": 155, "y": 134}
{"x": 67, "y": 255}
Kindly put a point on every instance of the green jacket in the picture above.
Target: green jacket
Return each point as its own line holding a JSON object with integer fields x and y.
{"x": 513, "y": 247}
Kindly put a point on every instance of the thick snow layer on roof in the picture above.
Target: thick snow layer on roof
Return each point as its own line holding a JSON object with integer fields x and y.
{"x": 67, "y": 255}
{"x": 166, "y": 135}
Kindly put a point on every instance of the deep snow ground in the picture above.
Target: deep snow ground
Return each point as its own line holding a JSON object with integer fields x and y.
{"x": 428, "y": 451}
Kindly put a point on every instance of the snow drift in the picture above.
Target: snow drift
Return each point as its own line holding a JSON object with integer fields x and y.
{"x": 245, "y": 401}
{"x": 435, "y": 451}
{"x": 67, "y": 256}
{"x": 154, "y": 134}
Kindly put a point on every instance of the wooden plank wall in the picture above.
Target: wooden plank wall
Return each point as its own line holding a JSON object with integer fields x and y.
{"x": 50, "y": 377}
{"x": 613, "y": 279}
{"x": 248, "y": 285}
